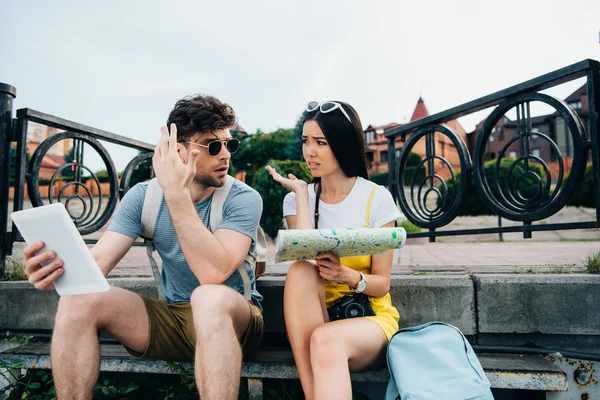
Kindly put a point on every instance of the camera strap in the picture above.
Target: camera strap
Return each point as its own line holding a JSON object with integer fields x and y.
{"x": 317, "y": 205}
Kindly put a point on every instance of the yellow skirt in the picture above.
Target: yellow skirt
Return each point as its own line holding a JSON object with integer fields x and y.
{"x": 386, "y": 315}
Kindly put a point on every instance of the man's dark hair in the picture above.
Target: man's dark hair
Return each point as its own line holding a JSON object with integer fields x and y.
{"x": 200, "y": 114}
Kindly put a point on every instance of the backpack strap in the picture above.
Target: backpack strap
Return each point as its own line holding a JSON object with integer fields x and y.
{"x": 369, "y": 204}
{"x": 152, "y": 200}
{"x": 216, "y": 218}
{"x": 151, "y": 207}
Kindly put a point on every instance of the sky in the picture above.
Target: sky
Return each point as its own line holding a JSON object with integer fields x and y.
{"x": 121, "y": 65}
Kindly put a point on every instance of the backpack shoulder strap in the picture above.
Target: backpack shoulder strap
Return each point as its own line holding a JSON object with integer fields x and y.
{"x": 218, "y": 200}
{"x": 216, "y": 217}
{"x": 152, "y": 200}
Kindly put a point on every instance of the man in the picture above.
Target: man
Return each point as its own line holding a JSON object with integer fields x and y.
{"x": 202, "y": 316}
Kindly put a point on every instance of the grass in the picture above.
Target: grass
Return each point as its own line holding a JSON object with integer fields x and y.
{"x": 592, "y": 263}
{"x": 566, "y": 269}
{"x": 15, "y": 270}
{"x": 523, "y": 271}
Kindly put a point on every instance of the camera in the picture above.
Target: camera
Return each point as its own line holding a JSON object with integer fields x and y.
{"x": 355, "y": 306}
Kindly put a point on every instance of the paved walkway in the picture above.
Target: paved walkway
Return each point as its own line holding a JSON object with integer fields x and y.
{"x": 552, "y": 251}
{"x": 450, "y": 258}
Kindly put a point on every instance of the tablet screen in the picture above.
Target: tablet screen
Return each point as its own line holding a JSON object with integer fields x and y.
{"x": 53, "y": 225}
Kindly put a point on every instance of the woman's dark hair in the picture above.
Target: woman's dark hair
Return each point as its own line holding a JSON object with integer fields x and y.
{"x": 346, "y": 140}
{"x": 200, "y": 114}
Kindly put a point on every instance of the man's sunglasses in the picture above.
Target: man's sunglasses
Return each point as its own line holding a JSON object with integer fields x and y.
{"x": 214, "y": 148}
{"x": 327, "y": 107}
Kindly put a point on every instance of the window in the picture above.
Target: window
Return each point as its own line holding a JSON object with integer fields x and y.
{"x": 512, "y": 154}
{"x": 383, "y": 157}
{"x": 535, "y": 130}
{"x": 398, "y": 153}
{"x": 38, "y": 135}
{"x": 563, "y": 138}
{"x": 492, "y": 138}
{"x": 536, "y": 153}
{"x": 576, "y": 105}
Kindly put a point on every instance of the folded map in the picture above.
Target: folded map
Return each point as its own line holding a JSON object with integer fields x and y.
{"x": 305, "y": 244}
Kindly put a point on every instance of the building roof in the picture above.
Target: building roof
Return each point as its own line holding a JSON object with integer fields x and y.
{"x": 576, "y": 95}
{"x": 420, "y": 111}
{"x": 52, "y": 161}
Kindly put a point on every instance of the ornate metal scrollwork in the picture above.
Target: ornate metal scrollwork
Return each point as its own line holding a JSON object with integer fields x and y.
{"x": 94, "y": 214}
{"x": 420, "y": 210}
{"x": 128, "y": 172}
{"x": 523, "y": 193}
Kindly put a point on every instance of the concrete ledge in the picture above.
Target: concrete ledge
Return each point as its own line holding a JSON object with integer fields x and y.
{"x": 547, "y": 304}
{"x": 446, "y": 298}
{"x": 419, "y": 299}
{"x": 539, "y": 305}
{"x": 24, "y": 307}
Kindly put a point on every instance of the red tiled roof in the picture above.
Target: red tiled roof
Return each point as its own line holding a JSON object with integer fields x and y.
{"x": 420, "y": 111}
{"x": 52, "y": 161}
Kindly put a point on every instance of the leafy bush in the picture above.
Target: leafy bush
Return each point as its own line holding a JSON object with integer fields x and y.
{"x": 473, "y": 204}
{"x": 273, "y": 193}
{"x": 102, "y": 175}
{"x": 584, "y": 196}
{"x": 413, "y": 159}
{"x": 409, "y": 227}
{"x": 382, "y": 179}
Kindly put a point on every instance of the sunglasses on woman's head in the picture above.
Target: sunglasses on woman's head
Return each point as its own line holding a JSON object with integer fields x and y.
{"x": 327, "y": 107}
{"x": 214, "y": 148}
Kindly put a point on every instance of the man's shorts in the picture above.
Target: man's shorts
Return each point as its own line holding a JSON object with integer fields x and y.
{"x": 172, "y": 333}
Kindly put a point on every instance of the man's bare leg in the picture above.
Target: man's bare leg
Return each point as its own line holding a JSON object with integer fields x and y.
{"x": 75, "y": 351}
{"x": 221, "y": 317}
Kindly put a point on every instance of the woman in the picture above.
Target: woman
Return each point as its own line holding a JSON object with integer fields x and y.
{"x": 341, "y": 196}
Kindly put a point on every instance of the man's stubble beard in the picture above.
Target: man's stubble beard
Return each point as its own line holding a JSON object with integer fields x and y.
{"x": 208, "y": 181}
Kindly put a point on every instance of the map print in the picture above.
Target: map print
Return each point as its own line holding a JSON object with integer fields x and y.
{"x": 305, "y": 244}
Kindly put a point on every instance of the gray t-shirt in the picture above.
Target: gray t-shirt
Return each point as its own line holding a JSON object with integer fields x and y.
{"x": 241, "y": 213}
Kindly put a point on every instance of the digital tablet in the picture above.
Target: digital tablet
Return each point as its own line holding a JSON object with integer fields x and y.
{"x": 53, "y": 225}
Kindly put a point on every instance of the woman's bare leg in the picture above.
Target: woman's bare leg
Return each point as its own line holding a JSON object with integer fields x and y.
{"x": 304, "y": 310}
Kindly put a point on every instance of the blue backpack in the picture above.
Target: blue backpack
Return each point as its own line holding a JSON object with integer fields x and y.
{"x": 434, "y": 361}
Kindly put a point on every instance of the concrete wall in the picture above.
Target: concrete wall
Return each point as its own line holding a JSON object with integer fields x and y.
{"x": 545, "y": 310}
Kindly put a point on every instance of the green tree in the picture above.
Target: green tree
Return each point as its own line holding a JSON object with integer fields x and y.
{"x": 257, "y": 149}
{"x": 293, "y": 150}
{"x": 273, "y": 193}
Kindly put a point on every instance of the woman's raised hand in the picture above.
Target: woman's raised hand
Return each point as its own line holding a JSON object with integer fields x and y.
{"x": 291, "y": 182}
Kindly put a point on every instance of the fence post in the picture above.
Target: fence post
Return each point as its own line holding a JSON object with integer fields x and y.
{"x": 7, "y": 95}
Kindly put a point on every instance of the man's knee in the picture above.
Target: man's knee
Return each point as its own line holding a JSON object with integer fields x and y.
{"x": 81, "y": 310}
{"x": 213, "y": 305}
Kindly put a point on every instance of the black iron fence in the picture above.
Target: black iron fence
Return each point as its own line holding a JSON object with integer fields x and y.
{"x": 89, "y": 203}
{"x": 526, "y": 192}
{"x": 431, "y": 201}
